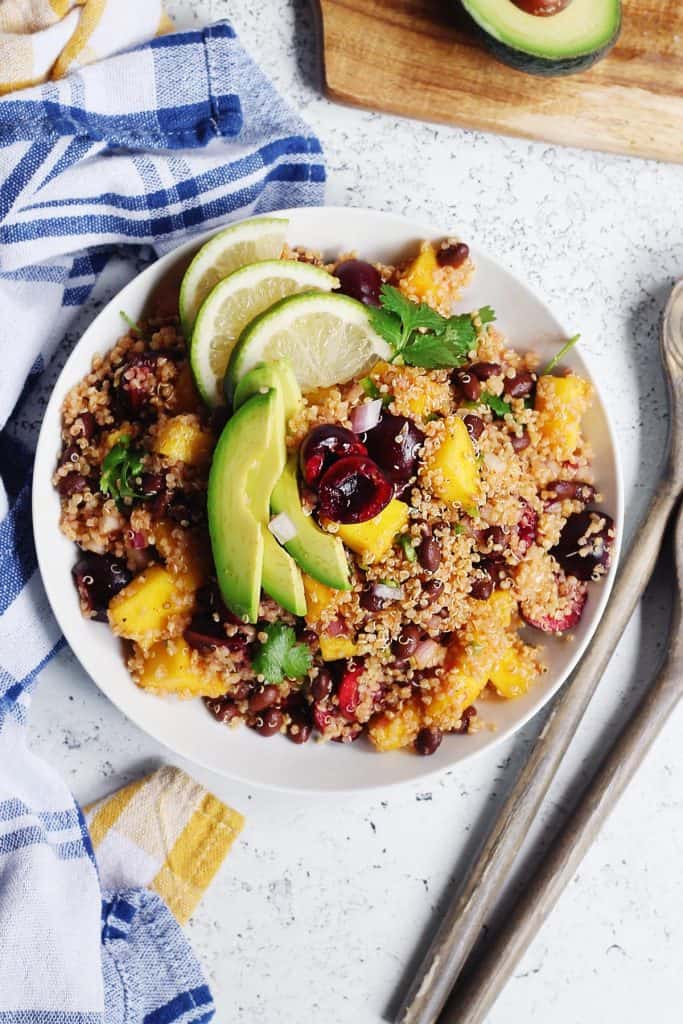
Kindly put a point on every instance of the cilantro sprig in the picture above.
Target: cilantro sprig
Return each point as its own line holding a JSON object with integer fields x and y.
{"x": 120, "y": 466}
{"x": 419, "y": 336}
{"x": 559, "y": 356}
{"x": 130, "y": 323}
{"x": 404, "y": 540}
{"x": 280, "y": 657}
{"x": 498, "y": 406}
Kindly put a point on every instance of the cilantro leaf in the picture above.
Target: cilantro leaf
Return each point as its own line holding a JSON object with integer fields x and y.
{"x": 413, "y": 315}
{"x": 486, "y": 315}
{"x": 119, "y": 465}
{"x": 280, "y": 656}
{"x": 387, "y": 325}
{"x": 448, "y": 347}
{"x": 559, "y": 356}
{"x": 497, "y": 405}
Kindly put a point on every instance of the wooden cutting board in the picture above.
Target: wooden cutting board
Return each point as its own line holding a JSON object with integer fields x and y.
{"x": 421, "y": 58}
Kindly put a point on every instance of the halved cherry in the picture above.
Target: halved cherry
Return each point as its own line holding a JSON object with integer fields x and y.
{"x": 395, "y": 445}
{"x": 571, "y": 598}
{"x": 526, "y": 528}
{"x": 585, "y": 546}
{"x": 353, "y": 490}
{"x": 347, "y": 691}
{"x": 324, "y": 445}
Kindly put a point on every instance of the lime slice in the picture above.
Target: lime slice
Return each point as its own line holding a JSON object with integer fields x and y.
{"x": 327, "y": 337}
{"x": 233, "y": 303}
{"x": 261, "y": 238}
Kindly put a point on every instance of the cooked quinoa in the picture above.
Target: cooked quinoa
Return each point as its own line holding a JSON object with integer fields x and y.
{"x": 447, "y": 614}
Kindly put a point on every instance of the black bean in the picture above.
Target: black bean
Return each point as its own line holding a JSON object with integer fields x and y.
{"x": 428, "y": 740}
{"x": 370, "y": 601}
{"x": 299, "y": 729}
{"x": 521, "y": 385}
{"x": 576, "y": 489}
{"x": 469, "y": 385}
{"x": 406, "y": 645}
{"x": 321, "y": 686}
{"x": 223, "y": 709}
{"x": 429, "y": 554}
{"x": 432, "y": 589}
{"x": 73, "y": 483}
{"x": 495, "y": 537}
{"x": 485, "y": 370}
{"x": 268, "y": 722}
{"x": 520, "y": 441}
{"x": 482, "y": 588}
{"x": 263, "y": 698}
{"x": 465, "y": 720}
{"x": 496, "y": 567}
{"x": 452, "y": 255}
{"x": 475, "y": 426}
{"x": 86, "y": 422}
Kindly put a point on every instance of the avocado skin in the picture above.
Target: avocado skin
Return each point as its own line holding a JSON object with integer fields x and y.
{"x": 544, "y": 67}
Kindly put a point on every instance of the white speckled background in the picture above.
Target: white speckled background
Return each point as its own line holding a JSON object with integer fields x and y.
{"x": 324, "y": 903}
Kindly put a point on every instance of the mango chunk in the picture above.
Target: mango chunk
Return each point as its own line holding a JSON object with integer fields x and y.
{"x": 188, "y": 556}
{"x": 444, "y": 706}
{"x": 142, "y": 610}
{"x": 373, "y": 539}
{"x": 333, "y": 648}
{"x": 515, "y": 672}
{"x": 418, "y": 279}
{"x": 470, "y": 659}
{"x": 393, "y": 731}
{"x": 318, "y": 598}
{"x": 182, "y": 439}
{"x": 168, "y": 668}
{"x": 454, "y": 467}
{"x": 562, "y": 402}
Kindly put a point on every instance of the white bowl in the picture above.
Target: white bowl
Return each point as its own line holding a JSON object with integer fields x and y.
{"x": 186, "y": 727}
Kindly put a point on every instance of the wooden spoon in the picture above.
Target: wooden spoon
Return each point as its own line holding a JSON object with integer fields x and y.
{"x": 470, "y": 909}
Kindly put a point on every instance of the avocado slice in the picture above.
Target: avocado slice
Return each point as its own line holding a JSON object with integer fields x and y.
{"x": 236, "y": 533}
{"x": 572, "y": 39}
{"x": 318, "y": 553}
{"x": 277, "y": 374}
{"x": 247, "y": 463}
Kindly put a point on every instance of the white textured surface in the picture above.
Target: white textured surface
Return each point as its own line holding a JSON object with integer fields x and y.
{"x": 323, "y": 904}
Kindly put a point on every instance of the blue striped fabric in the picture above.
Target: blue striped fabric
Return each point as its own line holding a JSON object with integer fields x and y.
{"x": 99, "y": 173}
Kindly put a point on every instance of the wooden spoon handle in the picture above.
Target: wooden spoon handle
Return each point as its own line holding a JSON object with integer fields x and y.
{"x": 471, "y": 1003}
{"x": 468, "y": 912}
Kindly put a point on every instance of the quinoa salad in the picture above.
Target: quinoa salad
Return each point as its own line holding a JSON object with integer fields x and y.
{"x": 313, "y": 495}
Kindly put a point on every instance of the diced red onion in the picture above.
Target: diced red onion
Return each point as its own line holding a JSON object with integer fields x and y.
{"x": 428, "y": 654}
{"x": 387, "y": 593}
{"x": 282, "y": 528}
{"x": 365, "y": 417}
{"x": 138, "y": 539}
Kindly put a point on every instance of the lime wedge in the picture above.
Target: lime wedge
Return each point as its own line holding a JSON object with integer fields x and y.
{"x": 261, "y": 238}
{"x": 327, "y": 338}
{"x": 233, "y": 303}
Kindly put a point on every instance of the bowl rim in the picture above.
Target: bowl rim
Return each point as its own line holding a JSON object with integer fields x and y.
{"x": 45, "y": 452}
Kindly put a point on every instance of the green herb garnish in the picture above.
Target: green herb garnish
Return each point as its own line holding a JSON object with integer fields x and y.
{"x": 419, "y": 336}
{"x": 131, "y": 323}
{"x": 390, "y": 583}
{"x": 406, "y": 543}
{"x": 280, "y": 656}
{"x": 120, "y": 466}
{"x": 497, "y": 405}
{"x": 372, "y": 391}
{"x": 458, "y": 528}
{"x": 559, "y": 356}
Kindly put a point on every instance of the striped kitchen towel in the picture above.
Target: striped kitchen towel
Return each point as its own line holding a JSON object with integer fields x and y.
{"x": 45, "y": 39}
{"x": 100, "y": 172}
{"x": 164, "y": 832}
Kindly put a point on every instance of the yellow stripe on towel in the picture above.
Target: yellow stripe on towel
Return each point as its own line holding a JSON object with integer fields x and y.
{"x": 164, "y": 832}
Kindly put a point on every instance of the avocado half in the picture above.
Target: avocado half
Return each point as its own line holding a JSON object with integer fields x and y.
{"x": 571, "y": 40}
